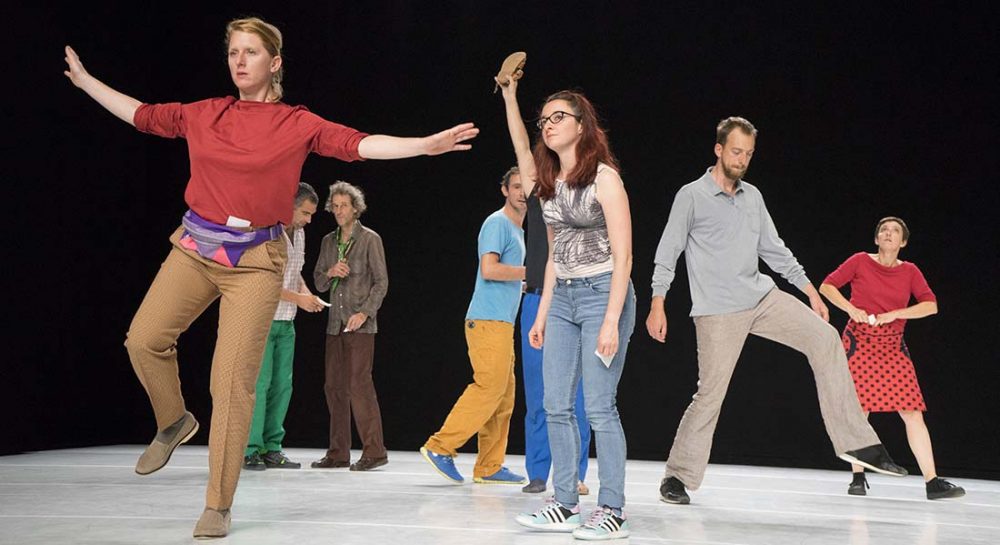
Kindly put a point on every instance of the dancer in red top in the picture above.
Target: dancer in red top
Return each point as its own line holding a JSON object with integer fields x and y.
{"x": 884, "y": 377}
{"x": 246, "y": 156}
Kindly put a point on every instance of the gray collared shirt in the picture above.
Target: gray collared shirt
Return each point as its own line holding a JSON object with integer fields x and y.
{"x": 723, "y": 237}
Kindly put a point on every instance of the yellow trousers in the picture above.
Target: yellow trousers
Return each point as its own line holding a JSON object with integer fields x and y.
{"x": 487, "y": 404}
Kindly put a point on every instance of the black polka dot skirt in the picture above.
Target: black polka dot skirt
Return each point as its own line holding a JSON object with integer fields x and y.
{"x": 881, "y": 367}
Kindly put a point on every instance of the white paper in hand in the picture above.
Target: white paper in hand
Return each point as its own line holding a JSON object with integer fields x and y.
{"x": 871, "y": 319}
{"x": 324, "y": 303}
{"x": 606, "y": 360}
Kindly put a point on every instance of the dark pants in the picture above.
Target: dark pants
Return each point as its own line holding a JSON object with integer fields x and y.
{"x": 349, "y": 388}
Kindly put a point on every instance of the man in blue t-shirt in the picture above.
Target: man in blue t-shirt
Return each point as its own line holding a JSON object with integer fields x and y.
{"x": 487, "y": 404}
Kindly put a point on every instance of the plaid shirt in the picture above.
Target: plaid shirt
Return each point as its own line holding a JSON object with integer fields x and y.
{"x": 293, "y": 272}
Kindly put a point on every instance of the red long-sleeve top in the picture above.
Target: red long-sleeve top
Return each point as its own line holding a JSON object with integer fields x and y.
{"x": 877, "y": 289}
{"x": 246, "y": 157}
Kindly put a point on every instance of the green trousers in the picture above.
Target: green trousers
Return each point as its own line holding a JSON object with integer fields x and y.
{"x": 274, "y": 389}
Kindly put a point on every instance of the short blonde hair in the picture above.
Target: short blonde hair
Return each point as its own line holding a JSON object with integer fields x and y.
{"x": 271, "y": 36}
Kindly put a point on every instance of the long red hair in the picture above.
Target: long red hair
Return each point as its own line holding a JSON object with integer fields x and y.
{"x": 592, "y": 148}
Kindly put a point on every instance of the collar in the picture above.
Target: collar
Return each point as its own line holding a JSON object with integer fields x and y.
{"x": 354, "y": 231}
{"x": 708, "y": 182}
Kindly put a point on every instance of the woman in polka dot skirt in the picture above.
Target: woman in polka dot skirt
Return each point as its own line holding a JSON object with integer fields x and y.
{"x": 884, "y": 377}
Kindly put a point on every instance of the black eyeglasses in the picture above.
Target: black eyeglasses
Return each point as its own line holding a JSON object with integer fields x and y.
{"x": 556, "y": 118}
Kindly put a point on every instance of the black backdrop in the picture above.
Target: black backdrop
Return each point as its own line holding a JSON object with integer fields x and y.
{"x": 863, "y": 112}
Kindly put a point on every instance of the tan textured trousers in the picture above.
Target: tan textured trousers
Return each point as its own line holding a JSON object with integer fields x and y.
{"x": 487, "y": 404}
{"x": 782, "y": 318}
{"x": 183, "y": 288}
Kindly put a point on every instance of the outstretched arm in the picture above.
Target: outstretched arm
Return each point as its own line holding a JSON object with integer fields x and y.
{"x": 123, "y": 106}
{"x": 519, "y": 137}
{"x": 381, "y": 146}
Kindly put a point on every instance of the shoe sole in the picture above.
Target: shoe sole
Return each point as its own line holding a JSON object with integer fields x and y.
{"x": 369, "y": 468}
{"x": 172, "y": 449}
{"x": 555, "y": 527}
{"x": 946, "y": 496}
{"x": 620, "y": 534}
{"x": 679, "y": 501}
{"x": 480, "y": 480}
{"x": 423, "y": 452}
{"x": 254, "y": 468}
{"x": 851, "y": 459}
{"x": 857, "y": 493}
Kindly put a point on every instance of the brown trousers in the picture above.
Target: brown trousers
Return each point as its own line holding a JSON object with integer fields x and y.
{"x": 183, "y": 288}
{"x": 350, "y": 389}
{"x": 782, "y": 318}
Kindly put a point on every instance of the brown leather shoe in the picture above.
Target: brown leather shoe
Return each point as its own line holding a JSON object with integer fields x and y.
{"x": 365, "y": 464}
{"x": 329, "y": 463}
{"x": 512, "y": 68}
{"x": 212, "y": 524}
{"x": 157, "y": 454}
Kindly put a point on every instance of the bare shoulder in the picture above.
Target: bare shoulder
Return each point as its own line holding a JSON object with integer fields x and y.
{"x": 608, "y": 181}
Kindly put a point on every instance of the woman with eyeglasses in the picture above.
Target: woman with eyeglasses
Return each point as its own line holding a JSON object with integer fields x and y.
{"x": 246, "y": 157}
{"x": 587, "y": 310}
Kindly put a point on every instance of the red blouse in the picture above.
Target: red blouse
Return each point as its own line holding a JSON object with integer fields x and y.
{"x": 877, "y": 289}
{"x": 246, "y": 157}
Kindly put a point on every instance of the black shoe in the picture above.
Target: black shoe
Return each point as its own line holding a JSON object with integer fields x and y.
{"x": 367, "y": 464}
{"x": 534, "y": 487}
{"x": 276, "y": 459}
{"x": 858, "y": 485}
{"x": 329, "y": 463}
{"x": 940, "y": 489}
{"x": 874, "y": 458}
{"x": 672, "y": 491}
{"x": 254, "y": 462}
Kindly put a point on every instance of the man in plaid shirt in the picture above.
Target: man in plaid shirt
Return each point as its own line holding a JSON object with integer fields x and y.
{"x": 274, "y": 384}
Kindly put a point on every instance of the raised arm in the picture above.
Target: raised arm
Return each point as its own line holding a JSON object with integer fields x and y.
{"x": 519, "y": 137}
{"x": 614, "y": 202}
{"x": 381, "y": 146}
{"x": 123, "y": 106}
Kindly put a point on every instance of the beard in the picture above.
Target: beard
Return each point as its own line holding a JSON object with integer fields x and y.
{"x": 733, "y": 173}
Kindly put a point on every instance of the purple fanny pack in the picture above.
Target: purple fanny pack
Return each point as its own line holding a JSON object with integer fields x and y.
{"x": 221, "y": 243}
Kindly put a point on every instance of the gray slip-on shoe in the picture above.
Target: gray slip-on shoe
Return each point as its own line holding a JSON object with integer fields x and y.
{"x": 157, "y": 454}
{"x": 213, "y": 524}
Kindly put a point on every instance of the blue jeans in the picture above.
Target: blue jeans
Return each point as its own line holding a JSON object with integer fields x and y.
{"x": 571, "y": 330}
{"x": 537, "y": 455}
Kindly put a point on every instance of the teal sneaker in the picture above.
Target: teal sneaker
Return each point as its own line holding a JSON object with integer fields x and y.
{"x": 502, "y": 476}
{"x": 554, "y": 517}
{"x": 445, "y": 465}
{"x": 603, "y": 524}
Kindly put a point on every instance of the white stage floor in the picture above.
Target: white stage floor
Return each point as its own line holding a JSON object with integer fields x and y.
{"x": 91, "y": 495}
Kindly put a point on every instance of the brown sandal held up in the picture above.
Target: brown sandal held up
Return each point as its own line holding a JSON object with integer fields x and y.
{"x": 511, "y": 69}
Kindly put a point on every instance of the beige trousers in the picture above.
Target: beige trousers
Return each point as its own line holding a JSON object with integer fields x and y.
{"x": 183, "y": 288}
{"x": 782, "y": 318}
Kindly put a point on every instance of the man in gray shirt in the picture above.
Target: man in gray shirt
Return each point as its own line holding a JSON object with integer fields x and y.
{"x": 721, "y": 224}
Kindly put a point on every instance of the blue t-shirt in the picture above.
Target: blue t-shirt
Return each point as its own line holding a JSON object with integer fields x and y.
{"x": 498, "y": 299}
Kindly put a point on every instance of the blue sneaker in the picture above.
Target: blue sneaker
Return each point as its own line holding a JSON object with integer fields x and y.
{"x": 603, "y": 524}
{"x": 502, "y": 476}
{"x": 554, "y": 517}
{"x": 445, "y": 465}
